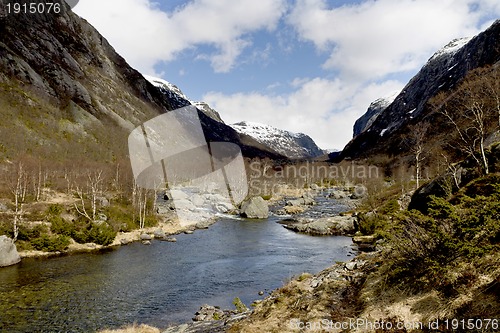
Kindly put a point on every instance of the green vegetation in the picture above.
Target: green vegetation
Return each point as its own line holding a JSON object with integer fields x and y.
{"x": 427, "y": 247}
{"x": 51, "y": 243}
{"x": 93, "y": 232}
{"x": 240, "y": 306}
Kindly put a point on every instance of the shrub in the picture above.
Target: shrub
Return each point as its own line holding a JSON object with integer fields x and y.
{"x": 58, "y": 225}
{"x": 27, "y": 234}
{"x": 54, "y": 210}
{"x": 51, "y": 243}
{"x": 102, "y": 234}
{"x": 370, "y": 224}
{"x": 121, "y": 218}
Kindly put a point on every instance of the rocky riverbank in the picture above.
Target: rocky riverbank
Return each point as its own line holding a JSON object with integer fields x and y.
{"x": 163, "y": 232}
{"x": 306, "y": 298}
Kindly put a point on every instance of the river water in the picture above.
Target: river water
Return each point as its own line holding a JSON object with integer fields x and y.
{"x": 160, "y": 284}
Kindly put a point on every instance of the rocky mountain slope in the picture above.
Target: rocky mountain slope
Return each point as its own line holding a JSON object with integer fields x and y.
{"x": 291, "y": 145}
{"x": 444, "y": 70}
{"x": 65, "y": 93}
{"x": 173, "y": 92}
{"x": 374, "y": 110}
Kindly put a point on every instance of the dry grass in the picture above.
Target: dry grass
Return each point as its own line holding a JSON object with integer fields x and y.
{"x": 133, "y": 329}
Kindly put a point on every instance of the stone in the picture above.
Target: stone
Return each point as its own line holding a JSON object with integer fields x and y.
{"x": 359, "y": 192}
{"x": 171, "y": 239}
{"x": 3, "y": 207}
{"x": 189, "y": 232}
{"x": 308, "y": 199}
{"x": 294, "y": 210}
{"x": 295, "y": 202}
{"x": 224, "y": 207}
{"x": 103, "y": 201}
{"x": 146, "y": 242}
{"x": 314, "y": 187}
{"x": 336, "y": 225}
{"x": 8, "y": 252}
{"x": 255, "y": 208}
{"x": 146, "y": 237}
{"x": 159, "y": 234}
{"x": 124, "y": 241}
{"x": 336, "y": 194}
{"x": 350, "y": 266}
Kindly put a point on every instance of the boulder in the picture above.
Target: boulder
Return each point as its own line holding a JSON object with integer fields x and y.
{"x": 146, "y": 237}
{"x": 337, "y": 194}
{"x": 336, "y": 225}
{"x": 359, "y": 192}
{"x": 8, "y": 252}
{"x": 295, "y": 202}
{"x": 159, "y": 234}
{"x": 103, "y": 201}
{"x": 223, "y": 207}
{"x": 308, "y": 199}
{"x": 255, "y": 208}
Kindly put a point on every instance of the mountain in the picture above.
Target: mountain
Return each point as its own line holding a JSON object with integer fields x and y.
{"x": 374, "y": 110}
{"x": 291, "y": 145}
{"x": 173, "y": 92}
{"x": 65, "y": 94}
{"x": 441, "y": 74}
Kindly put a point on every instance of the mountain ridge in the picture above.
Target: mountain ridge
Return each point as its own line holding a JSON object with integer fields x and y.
{"x": 443, "y": 71}
{"x": 60, "y": 77}
{"x": 289, "y": 144}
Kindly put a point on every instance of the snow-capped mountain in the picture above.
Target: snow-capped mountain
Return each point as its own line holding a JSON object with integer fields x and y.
{"x": 173, "y": 92}
{"x": 289, "y": 144}
{"x": 381, "y": 128}
{"x": 374, "y": 110}
{"x": 451, "y": 48}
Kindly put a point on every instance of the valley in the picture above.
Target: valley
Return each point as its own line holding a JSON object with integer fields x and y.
{"x": 401, "y": 226}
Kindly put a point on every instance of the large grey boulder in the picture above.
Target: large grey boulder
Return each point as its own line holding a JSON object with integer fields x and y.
{"x": 8, "y": 252}
{"x": 255, "y": 208}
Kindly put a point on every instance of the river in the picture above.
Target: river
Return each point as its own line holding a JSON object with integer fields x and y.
{"x": 160, "y": 284}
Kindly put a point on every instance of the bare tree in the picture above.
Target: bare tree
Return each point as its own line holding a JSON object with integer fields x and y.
{"x": 94, "y": 190}
{"x": 139, "y": 201}
{"x": 416, "y": 143}
{"x": 473, "y": 110}
{"x": 18, "y": 189}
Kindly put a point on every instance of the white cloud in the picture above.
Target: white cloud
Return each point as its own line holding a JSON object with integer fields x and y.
{"x": 323, "y": 109}
{"x": 144, "y": 35}
{"x": 376, "y": 38}
{"x": 365, "y": 42}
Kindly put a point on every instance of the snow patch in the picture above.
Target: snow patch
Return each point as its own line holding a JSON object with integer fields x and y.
{"x": 164, "y": 84}
{"x": 451, "y": 48}
{"x": 282, "y": 141}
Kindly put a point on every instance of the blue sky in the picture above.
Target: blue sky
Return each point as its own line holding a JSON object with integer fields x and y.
{"x": 310, "y": 66}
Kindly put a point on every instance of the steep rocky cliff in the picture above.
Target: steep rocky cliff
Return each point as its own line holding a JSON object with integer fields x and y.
{"x": 374, "y": 110}
{"x": 444, "y": 71}
{"x": 65, "y": 93}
